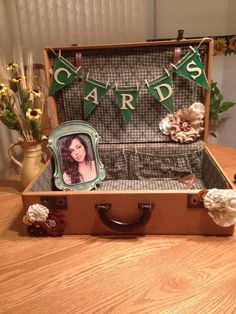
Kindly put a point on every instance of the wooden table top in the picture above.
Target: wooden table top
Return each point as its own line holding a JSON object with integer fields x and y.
{"x": 90, "y": 274}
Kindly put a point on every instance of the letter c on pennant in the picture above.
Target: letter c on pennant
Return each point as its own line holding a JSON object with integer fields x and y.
{"x": 57, "y": 72}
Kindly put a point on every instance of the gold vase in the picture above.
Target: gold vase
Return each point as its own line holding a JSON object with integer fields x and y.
{"x": 31, "y": 164}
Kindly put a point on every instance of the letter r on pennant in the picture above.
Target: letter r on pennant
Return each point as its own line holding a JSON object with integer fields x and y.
{"x": 126, "y": 101}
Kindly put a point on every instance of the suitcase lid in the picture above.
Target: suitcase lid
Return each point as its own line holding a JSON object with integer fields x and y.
{"x": 128, "y": 64}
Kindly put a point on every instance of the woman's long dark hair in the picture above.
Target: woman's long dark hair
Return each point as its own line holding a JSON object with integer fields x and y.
{"x": 69, "y": 165}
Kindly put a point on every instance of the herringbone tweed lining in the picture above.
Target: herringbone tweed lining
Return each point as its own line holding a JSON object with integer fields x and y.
{"x": 150, "y": 172}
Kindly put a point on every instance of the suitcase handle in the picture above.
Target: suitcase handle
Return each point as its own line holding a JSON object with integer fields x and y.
{"x": 142, "y": 220}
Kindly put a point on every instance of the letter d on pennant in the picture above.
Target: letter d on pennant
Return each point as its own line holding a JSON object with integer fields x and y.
{"x": 162, "y": 89}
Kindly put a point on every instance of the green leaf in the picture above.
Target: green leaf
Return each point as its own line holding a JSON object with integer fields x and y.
{"x": 24, "y": 95}
{"x": 217, "y": 104}
{"x": 218, "y": 93}
{"x": 36, "y": 132}
{"x": 226, "y": 105}
{"x": 26, "y": 106}
{"x": 214, "y": 115}
{"x": 213, "y": 84}
{"x": 10, "y": 121}
{"x": 14, "y": 86}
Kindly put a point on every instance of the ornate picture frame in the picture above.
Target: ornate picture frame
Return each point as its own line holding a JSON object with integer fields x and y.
{"x": 74, "y": 145}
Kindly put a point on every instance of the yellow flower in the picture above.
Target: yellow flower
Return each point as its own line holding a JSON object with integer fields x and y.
{"x": 11, "y": 66}
{"x": 33, "y": 114}
{"x": 232, "y": 43}
{"x": 36, "y": 92}
{"x": 17, "y": 79}
{"x": 220, "y": 46}
{"x": 3, "y": 90}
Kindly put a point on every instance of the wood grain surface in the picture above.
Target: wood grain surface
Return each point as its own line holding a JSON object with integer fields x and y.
{"x": 89, "y": 274}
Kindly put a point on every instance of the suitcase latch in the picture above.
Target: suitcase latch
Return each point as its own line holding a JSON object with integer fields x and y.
{"x": 195, "y": 201}
{"x": 54, "y": 202}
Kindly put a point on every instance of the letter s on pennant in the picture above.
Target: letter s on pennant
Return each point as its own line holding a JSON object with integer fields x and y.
{"x": 189, "y": 68}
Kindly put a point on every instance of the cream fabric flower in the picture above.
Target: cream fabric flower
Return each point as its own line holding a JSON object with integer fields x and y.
{"x": 186, "y": 125}
{"x": 221, "y": 205}
{"x": 37, "y": 213}
{"x": 199, "y": 107}
{"x": 164, "y": 126}
{"x": 27, "y": 221}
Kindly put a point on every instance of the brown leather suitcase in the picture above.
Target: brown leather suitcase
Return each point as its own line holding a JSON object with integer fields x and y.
{"x": 142, "y": 193}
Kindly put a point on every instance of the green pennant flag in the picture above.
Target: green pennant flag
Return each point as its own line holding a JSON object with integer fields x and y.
{"x": 93, "y": 92}
{"x": 162, "y": 89}
{"x": 63, "y": 73}
{"x": 190, "y": 67}
{"x": 126, "y": 98}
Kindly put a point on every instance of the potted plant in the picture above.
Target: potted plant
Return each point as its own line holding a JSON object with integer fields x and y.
{"x": 217, "y": 106}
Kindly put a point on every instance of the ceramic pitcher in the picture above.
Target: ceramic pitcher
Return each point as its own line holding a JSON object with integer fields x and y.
{"x": 31, "y": 164}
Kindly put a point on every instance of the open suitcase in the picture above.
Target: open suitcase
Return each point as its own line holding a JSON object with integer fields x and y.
{"x": 142, "y": 193}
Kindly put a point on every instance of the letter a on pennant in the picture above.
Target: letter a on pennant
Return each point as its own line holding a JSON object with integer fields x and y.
{"x": 162, "y": 89}
{"x": 190, "y": 67}
{"x": 126, "y": 98}
{"x": 93, "y": 92}
{"x": 63, "y": 73}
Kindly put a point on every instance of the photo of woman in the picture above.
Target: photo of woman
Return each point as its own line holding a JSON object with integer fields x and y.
{"x": 78, "y": 165}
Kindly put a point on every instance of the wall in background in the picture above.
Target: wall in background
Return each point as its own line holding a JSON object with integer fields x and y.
{"x": 227, "y": 130}
{"x": 37, "y": 24}
{"x": 197, "y": 18}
